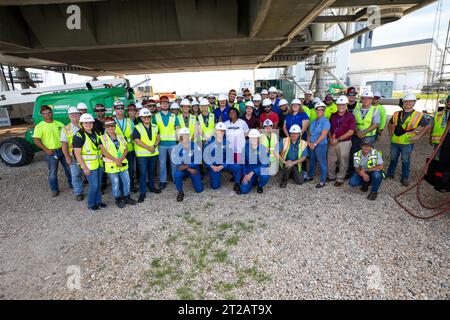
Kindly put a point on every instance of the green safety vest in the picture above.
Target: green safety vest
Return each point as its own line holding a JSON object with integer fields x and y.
{"x": 140, "y": 151}
{"x": 168, "y": 133}
{"x": 110, "y": 166}
{"x": 90, "y": 152}
{"x": 287, "y": 144}
{"x": 207, "y": 131}
{"x": 410, "y": 125}
{"x": 332, "y": 108}
{"x": 192, "y": 122}
{"x": 270, "y": 144}
{"x": 127, "y": 133}
{"x": 69, "y": 135}
{"x": 364, "y": 124}
{"x": 439, "y": 127}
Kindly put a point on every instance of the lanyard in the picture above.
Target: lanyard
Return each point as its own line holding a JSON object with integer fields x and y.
{"x": 122, "y": 126}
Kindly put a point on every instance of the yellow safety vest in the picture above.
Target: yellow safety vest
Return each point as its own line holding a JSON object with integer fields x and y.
{"x": 439, "y": 127}
{"x": 364, "y": 124}
{"x": 410, "y": 125}
{"x": 269, "y": 144}
{"x": 69, "y": 135}
{"x": 110, "y": 166}
{"x": 140, "y": 151}
{"x": 372, "y": 160}
{"x": 332, "y": 108}
{"x": 168, "y": 133}
{"x": 287, "y": 144}
{"x": 192, "y": 122}
{"x": 207, "y": 131}
{"x": 127, "y": 133}
{"x": 90, "y": 152}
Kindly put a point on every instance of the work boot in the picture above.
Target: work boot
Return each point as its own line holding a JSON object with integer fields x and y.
{"x": 120, "y": 203}
{"x": 154, "y": 190}
{"x": 389, "y": 176}
{"x": 338, "y": 184}
{"x": 283, "y": 184}
{"x": 55, "y": 194}
{"x": 372, "y": 196}
{"x": 180, "y": 196}
{"x": 79, "y": 197}
{"x": 236, "y": 187}
{"x": 129, "y": 200}
{"x": 134, "y": 189}
{"x": 259, "y": 189}
{"x": 102, "y": 205}
{"x": 162, "y": 185}
{"x": 320, "y": 185}
{"x": 93, "y": 208}
{"x": 405, "y": 182}
{"x": 141, "y": 197}
{"x": 365, "y": 187}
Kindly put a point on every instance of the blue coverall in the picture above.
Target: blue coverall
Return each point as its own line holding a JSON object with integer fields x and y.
{"x": 260, "y": 167}
{"x": 187, "y": 156}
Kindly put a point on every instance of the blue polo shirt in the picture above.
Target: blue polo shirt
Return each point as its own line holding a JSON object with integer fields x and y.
{"x": 293, "y": 151}
{"x": 316, "y": 128}
{"x": 165, "y": 119}
{"x": 291, "y": 119}
{"x": 224, "y": 114}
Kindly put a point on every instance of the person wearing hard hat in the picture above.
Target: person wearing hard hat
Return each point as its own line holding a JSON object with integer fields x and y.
{"x": 258, "y": 108}
{"x": 249, "y": 117}
{"x": 439, "y": 124}
{"x": 47, "y": 136}
{"x": 187, "y": 156}
{"x": 318, "y": 144}
{"x": 99, "y": 111}
{"x": 292, "y": 152}
{"x": 352, "y": 102}
{"x": 237, "y": 129}
{"x": 343, "y": 125}
{"x": 178, "y": 99}
{"x": 67, "y": 134}
{"x": 132, "y": 113}
{"x": 212, "y": 101}
{"x": 369, "y": 167}
{"x": 284, "y": 112}
{"x": 240, "y": 102}
{"x": 125, "y": 127}
{"x": 309, "y": 100}
{"x": 139, "y": 106}
{"x": 376, "y": 102}
{"x": 269, "y": 139}
{"x": 367, "y": 119}
{"x": 151, "y": 106}
{"x": 187, "y": 119}
{"x": 331, "y": 106}
{"x": 168, "y": 125}
{"x": 175, "y": 109}
{"x": 216, "y": 154}
{"x": 232, "y": 102}
{"x": 296, "y": 116}
{"x": 221, "y": 113}
{"x": 273, "y": 96}
{"x": 269, "y": 113}
{"x": 255, "y": 169}
{"x": 206, "y": 120}
{"x": 82, "y": 107}
{"x": 247, "y": 95}
{"x": 264, "y": 94}
{"x": 113, "y": 147}
{"x": 146, "y": 140}
{"x": 402, "y": 128}
{"x": 195, "y": 107}
{"x": 86, "y": 147}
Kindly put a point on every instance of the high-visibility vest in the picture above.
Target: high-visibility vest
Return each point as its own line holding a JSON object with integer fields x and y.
{"x": 69, "y": 135}
{"x": 269, "y": 144}
{"x": 127, "y": 133}
{"x": 166, "y": 133}
{"x": 207, "y": 131}
{"x": 191, "y": 125}
{"x": 286, "y": 145}
{"x": 90, "y": 152}
{"x": 410, "y": 125}
{"x": 364, "y": 124}
{"x": 332, "y": 108}
{"x": 140, "y": 151}
{"x": 110, "y": 166}
{"x": 372, "y": 159}
{"x": 439, "y": 127}
{"x": 383, "y": 116}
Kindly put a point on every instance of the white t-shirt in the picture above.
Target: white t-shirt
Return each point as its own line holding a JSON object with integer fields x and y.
{"x": 235, "y": 134}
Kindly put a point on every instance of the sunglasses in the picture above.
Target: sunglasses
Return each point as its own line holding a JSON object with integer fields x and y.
{"x": 119, "y": 108}
{"x": 146, "y": 117}
{"x": 100, "y": 110}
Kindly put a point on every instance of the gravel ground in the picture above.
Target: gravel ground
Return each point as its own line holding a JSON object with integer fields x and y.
{"x": 294, "y": 244}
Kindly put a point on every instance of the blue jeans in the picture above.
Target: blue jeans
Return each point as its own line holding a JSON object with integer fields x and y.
{"x": 405, "y": 150}
{"x": 259, "y": 179}
{"x": 94, "y": 194}
{"x": 195, "y": 178}
{"x": 319, "y": 154}
{"x": 215, "y": 177}
{"x": 147, "y": 167}
{"x": 356, "y": 146}
{"x": 77, "y": 178}
{"x": 164, "y": 153}
{"x": 119, "y": 179}
{"x": 131, "y": 157}
{"x": 375, "y": 179}
{"x": 53, "y": 169}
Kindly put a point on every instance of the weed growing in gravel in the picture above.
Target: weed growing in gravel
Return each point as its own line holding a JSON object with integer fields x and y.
{"x": 204, "y": 248}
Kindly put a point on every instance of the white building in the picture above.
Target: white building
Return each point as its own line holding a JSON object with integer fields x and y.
{"x": 402, "y": 66}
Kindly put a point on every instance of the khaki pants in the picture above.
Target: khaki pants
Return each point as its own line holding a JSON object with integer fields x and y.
{"x": 339, "y": 153}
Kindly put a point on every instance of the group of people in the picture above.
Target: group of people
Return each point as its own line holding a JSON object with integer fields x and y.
{"x": 250, "y": 136}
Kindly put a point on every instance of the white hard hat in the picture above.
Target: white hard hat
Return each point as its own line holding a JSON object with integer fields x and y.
{"x": 87, "y": 118}
{"x": 109, "y": 121}
{"x": 185, "y": 102}
{"x": 222, "y": 97}
{"x": 308, "y": 92}
{"x": 249, "y": 104}
{"x": 273, "y": 89}
{"x": 239, "y": 95}
{"x": 296, "y": 101}
{"x": 139, "y": 105}
{"x": 220, "y": 126}
{"x": 264, "y": 91}
{"x": 367, "y": 94}
{"x": 174, "y": 105}
{"x": 410, "y": 97}
{"x": 145, "y": 113}
{"x": 342, "y": 100}
{"x": 183, "y": 131}
{"x": 254, "y": 133}
{"x": 257, "y": 97}
{"x": 320, "y": 105}
{"x": 204, "y": 102}
{"x": 283, "y": 102}
{"x": 82, "y": 106}
{"x": 267, "y": 122}
{"x": 301, "y": 96}
{"x": 194, "y": 102}
{"x": 377, "y": 94}
{"x": 118, "y": 103}
{"x": 316, "y": 100}
{"x": 267, "y": 102}
{"x": 72, "y": 110}
{"x": 295, "y": 129}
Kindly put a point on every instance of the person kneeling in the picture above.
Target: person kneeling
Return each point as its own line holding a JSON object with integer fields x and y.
{"x": 114, "y": 150}
{"x": 369, "y": 167}
{"x": 184, "y": 156}
{"x": 293, "y": 151}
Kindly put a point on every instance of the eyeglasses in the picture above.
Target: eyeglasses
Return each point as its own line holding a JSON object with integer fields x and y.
{"x": 119, "y": 108}
{"x": 145, "y": 117}
{"x": 46, "y": 112}
{"x": 100, "y": 110}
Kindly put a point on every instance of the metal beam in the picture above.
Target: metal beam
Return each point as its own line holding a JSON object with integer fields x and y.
{"x": 260, "y": 17}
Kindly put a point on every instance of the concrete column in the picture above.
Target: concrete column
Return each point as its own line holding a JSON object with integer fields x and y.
{"x": 318, "y": 31}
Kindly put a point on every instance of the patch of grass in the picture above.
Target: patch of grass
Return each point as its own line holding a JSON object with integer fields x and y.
{"x": 258, "y": 276}
{"x": 171, "y": 239}
{"x": 185, "y": 293}
{"x": 225, "y": 226}
{"x": 232, "y": 241}
{"x": 229, "y": 297}
{"x": 163, "y": 274}
{"x": 242, "y": 226}
{"x": 156, "y": 263}
{"x": 191, "y": 221}
{"x": 220, "y": 256}
{"x": 209, "y": 205}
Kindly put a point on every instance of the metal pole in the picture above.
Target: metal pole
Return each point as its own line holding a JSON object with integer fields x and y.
{"x": 5, "y": 85}
{"x": 64, "y": 78}
{"x": 11, "y": 79}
